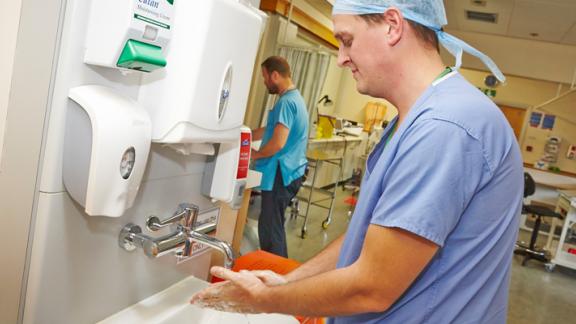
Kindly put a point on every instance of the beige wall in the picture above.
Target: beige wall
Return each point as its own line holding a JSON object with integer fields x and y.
{"x": 526, "y": 58}
{"x": 322, "y": 17}
{"x": 518, "y": 91}
{"x": 331, "y": 87}
{"x": 527, "y": 93}
{"x": 9, "y": 20}
{"x": 564, "y": 127}
{"x": 351, "y": 104}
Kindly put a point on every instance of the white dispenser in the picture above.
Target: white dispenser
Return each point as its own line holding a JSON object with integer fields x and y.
{"x": 226, "y": 173}
{"x": 106, "y": 147}
{"x": 129, "y": 34}
{"x": 201, "y": 96}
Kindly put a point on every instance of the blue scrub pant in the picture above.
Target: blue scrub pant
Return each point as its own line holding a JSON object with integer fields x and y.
{"x": 271, "y": 231}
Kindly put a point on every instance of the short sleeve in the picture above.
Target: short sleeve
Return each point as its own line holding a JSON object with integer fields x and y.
{"x": 434, "y": 174}
{"x": 286, "y": 114}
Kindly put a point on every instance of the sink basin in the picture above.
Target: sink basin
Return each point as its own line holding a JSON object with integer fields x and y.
{"x": 171, "y": 306}
{"x": 195, "y": 315}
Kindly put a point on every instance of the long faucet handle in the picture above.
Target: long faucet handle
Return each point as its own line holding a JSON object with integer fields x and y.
{"x": 186, "y": 215}
{"x": 191, "y": 215}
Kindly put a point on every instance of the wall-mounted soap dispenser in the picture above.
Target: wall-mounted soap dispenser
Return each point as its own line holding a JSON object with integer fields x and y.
{"x": 201, "y": 96}
{"x": 129, "y": 34}
{"x": 226, "y": 173}
{"x": 106, "y": 148}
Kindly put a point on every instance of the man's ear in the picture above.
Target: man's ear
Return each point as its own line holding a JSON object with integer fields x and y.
{"x": 274, "y": 76}
{"x": 395, "y": 21}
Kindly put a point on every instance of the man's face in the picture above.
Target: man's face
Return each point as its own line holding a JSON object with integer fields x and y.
{"x": 269, "y": 82}
{"x": 363, "y": 50}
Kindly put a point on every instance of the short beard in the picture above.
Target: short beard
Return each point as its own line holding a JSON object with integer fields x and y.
{"x": 273, "y": 89}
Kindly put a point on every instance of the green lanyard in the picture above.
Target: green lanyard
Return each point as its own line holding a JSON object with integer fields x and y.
{"x": 446, "y": 71}
{"x": 443, "y": 74}
{"x": 391, "y": 133}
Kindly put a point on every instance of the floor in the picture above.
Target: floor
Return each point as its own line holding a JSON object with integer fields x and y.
{"x": 536, "y": 296}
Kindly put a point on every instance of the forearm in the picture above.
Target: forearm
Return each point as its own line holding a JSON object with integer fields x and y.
{"x": 337, "y": 292}
{"x": 267, "y": 151}
{"x": 322, "y": 262}
{"x": 257, "y": 133}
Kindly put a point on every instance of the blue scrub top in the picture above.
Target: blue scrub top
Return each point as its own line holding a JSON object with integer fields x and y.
{"x": 290, "y": 111}
{"x": 453, "y": 175}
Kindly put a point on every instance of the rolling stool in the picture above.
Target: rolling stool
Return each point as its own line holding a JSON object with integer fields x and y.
{"x": 530, "y": 251}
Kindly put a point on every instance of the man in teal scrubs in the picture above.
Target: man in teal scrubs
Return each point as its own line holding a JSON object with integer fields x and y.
{"x": 282, "y": 155}
{"x": 433, "y": 232}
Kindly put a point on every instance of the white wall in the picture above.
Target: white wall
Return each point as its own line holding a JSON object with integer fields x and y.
{"x": 9, "y": 20}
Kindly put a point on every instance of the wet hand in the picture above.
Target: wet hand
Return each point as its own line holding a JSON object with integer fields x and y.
{"x": 243, "y": 292}
{"x": 269, "y": 278}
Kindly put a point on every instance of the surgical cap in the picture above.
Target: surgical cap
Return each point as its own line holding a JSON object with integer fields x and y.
{"x": 429, "y": 13}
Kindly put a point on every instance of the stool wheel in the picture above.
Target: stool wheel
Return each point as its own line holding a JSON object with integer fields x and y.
{"x": 550, "y": 267}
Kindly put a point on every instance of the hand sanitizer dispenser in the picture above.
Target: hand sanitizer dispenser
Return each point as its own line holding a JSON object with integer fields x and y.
{"x": 201, "y": 96}
{"x": 106, "y": 148}
{"x": 226, "y": 173}
{"x": 129, "y": 34}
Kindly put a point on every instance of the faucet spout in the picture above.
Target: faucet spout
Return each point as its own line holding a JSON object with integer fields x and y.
{"x": 216, "y": 244}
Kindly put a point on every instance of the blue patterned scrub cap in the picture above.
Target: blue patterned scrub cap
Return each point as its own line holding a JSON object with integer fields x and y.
{"x": 429, "y": 13}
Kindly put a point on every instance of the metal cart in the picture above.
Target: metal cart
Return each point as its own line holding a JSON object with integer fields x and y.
{"x": 311, "y": 195}
{"x": 566, "y": 252}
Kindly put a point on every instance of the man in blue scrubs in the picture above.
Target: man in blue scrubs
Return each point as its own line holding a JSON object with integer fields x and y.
{"x": 282, "y": 155}
{"x": 432, "y": 235}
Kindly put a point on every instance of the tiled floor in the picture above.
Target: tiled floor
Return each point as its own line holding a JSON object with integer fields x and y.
{"x": 536, "y": 296}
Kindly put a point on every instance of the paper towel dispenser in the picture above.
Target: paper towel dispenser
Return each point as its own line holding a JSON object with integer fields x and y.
{"x": 106, "y": 148}
{"x": 201, "y": 95}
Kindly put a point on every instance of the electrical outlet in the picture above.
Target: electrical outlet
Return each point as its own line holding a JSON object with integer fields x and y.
{"x": 571, "y": 154}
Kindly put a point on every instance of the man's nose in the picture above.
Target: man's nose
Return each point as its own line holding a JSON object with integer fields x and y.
{"x": 343, "y": 58}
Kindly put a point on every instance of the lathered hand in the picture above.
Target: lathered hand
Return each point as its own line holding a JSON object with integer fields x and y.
{"x": 242, "y": 292}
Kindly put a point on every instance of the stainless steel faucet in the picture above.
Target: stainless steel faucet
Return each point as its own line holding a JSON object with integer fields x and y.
{"x": 179, "y": 242}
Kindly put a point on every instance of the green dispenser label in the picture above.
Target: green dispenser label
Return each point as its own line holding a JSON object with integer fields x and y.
{"x": 141, "y": 56}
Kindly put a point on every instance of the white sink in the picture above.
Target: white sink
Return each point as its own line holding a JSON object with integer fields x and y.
{"x": 195, "y": 315}
{"x": 171, "y": 306}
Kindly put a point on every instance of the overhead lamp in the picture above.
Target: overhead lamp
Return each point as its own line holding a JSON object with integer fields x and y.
{"x": 326, "y": 101}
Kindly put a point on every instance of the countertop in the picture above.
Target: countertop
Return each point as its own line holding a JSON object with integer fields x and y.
{"x": 335, "y": 138}
{"x": 556, "y": 181}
